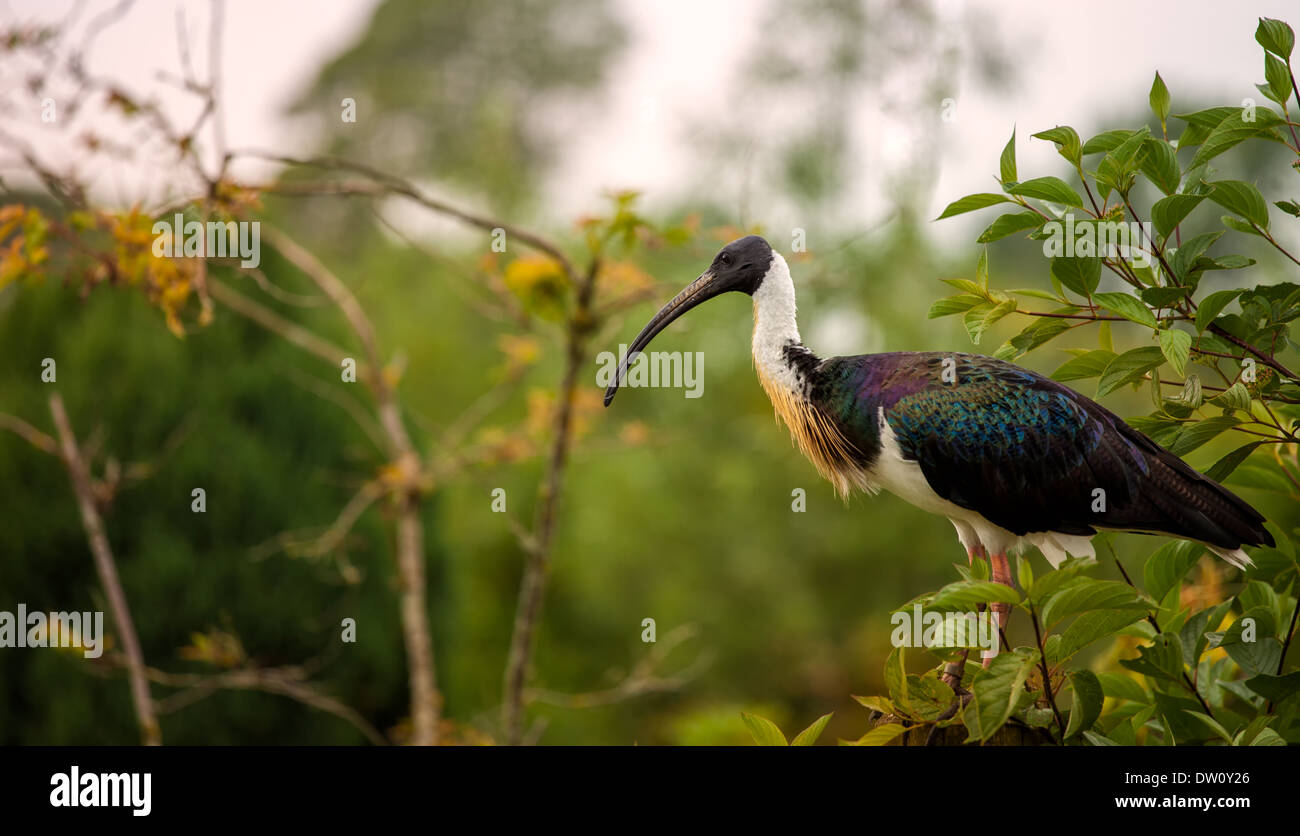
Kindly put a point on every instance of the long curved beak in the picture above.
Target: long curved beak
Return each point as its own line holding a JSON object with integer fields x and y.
{"x": 701, "y": 290}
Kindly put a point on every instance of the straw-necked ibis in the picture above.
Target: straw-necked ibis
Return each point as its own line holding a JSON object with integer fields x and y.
{"x": 1010, "y": 457}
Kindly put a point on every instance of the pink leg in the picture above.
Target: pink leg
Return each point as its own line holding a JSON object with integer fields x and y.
{"x": 953, "y": 671}
{"x": 1001, "y": 574}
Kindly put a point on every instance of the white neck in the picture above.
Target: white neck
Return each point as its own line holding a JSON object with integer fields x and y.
{"x": 774, "y": 324}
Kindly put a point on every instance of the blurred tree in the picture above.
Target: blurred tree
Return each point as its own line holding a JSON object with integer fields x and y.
{"x": 817, "y": 67}
{"x": 457, "y": 90}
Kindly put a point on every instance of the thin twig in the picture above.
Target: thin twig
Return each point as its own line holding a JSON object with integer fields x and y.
{"x": 1151, "y": 619}
{"x": 643, "y": 679}
{"x": 286, "y": 682}
{"x": 106, "y": 567}
{"x": 33, "y": 436}
{"x": 537, "y": 559}
{"x": 1047, "y": 676}
{"x": 410, "y": 530}
{"x": 390, "y": 184}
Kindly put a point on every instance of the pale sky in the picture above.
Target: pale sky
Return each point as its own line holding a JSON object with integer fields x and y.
{"x": 1079, "y": 63}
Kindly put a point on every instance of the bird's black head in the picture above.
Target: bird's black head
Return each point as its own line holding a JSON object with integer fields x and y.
{"x": 739, "y": 266}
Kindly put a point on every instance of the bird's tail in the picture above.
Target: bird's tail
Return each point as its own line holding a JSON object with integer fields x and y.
{"x": 1198, "y": 508}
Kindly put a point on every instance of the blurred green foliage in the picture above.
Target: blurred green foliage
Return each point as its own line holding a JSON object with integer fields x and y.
{"x": 675, "y": 509}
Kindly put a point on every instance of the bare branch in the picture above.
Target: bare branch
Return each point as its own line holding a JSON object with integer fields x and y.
{"x": 330, "y": 539}
{"x": 106, "y": 567}
{"x": 643, "y": 679}
{"x": 410, "y": 531}
{"x": 340, "y": 397}
{"x": 33, "y": 436}
{"x": 537, "y": 559}
{"x": 384, "y": 183}
{"x": 272, "y": 321}
{"x": 285, "y": 681}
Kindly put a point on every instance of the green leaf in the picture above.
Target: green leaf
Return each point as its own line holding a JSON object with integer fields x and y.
{"x": 880, "y": 735}
{"x": 1275, "y": 688}
{"x": 1241, "y": 199}
{"x": 881, "y": 704}
{"x": 1036, "y": 293}
{"x": 1024, "y": 572}
{"x": 1160, "y": 164}
{"x": 1250, "y": 475}
{"x": 1167, "y": 566}
{"x": 1239, "y": 225}
{"x": 968, "y": 286}
{"x": 809, "y": 736}
{"x": 1260, "y": 604}
{"x": 1161, "y": 429}
{"x": 1222, "y": 262}
{"x": 1129, "y": 307}
{"x": 928, "y": 697}
{"x": 896, "y": 677}
{"x": 971, "y": 202}
{"x": 1275, "y": 36}
{"x": 1116, "y": 172}
{"x": 1177, "y": 347}
{"x": 1067, "y": 142}
{"x": 995, "y": 690}
{"x": 979, "y": 318}
{"x": 1123, "y": 687}
{"x": 1194, "y": 435}
{"x": 1186, "y": 255}
{"x": 1179, "y": 722}
{"x": 1091, "y": 626}
{"x": 1162, "y": 659}
{"x": 1086, "y": 594}
{"x": 1106, "y": 141}
{"x": 1252, "y": 729}
{"x": 1236, "y": 396}
{"x": 964, "y": 595}
{"x": 1080, "y": 274}
{"x": 1053, "y": 581}
{"x": 1053, "y": 189}
{"x": 764, "y": 732}
{"x": 1211, "y": 306}
{"x": 1037, "y": 333}
{"x": 1084, "y": 366}
{"x": 1191, "y": 396}
{"x": 1258, "y": 657}
{"x": 1128, "y": 367}
{"x": 1279, "y": 79}
{"x": 1168, "y": 212}
{"x": 1212, "y": 724}
{"x": 1088, "y": 698}
{"x": 1234, "y": 130}
{"x": 1007, "y": 165}
{"x": 1223, "y": 468}
{"x": 974, "y": 320}
{"x": 1163, "y": 297}
{"x": 954, "y": 305}
{"x": 1268, "y": 737}
{"x": 1193, "y": 633}
{"x": 1159, "y": 99}
{"x": 1010, "y": 224}
{"x": 1201, "y": 123}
